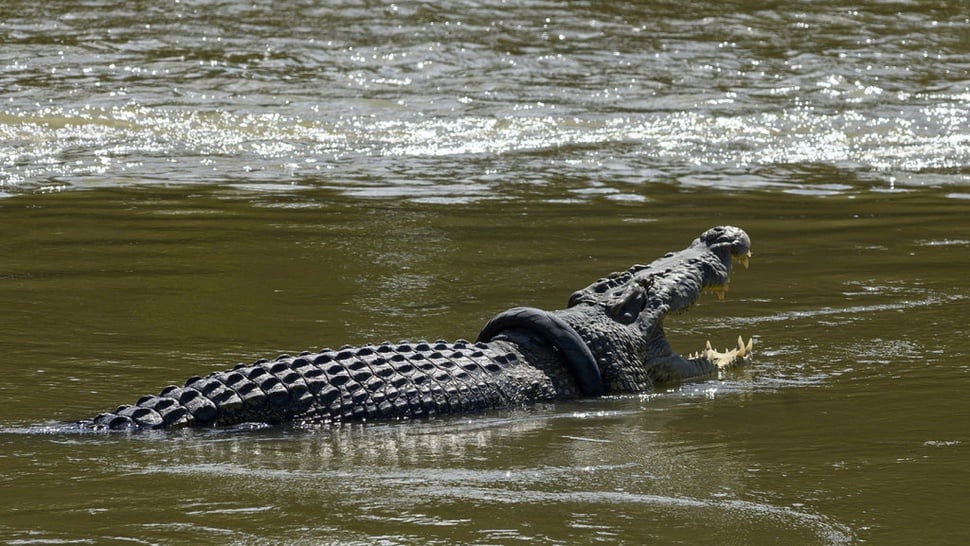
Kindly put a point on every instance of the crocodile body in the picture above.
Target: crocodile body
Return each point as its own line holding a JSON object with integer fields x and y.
{"x": 609, "y": 340}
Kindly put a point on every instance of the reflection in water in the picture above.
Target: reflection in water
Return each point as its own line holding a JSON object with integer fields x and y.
{"x": 394, "y": 474}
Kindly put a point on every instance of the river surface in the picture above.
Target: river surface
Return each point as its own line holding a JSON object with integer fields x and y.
{"x": 186, "y": 185}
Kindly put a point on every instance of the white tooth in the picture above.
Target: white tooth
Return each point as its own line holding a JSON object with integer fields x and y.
{"x": 750, "y": 344}
{"x": 708, "y": 346}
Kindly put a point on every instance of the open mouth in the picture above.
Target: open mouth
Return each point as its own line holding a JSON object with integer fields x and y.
{"x": 741, "y": 351}
{"x": 721, "y": 289}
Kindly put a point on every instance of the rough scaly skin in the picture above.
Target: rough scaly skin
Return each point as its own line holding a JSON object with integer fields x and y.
{"x": 609, "y": 340}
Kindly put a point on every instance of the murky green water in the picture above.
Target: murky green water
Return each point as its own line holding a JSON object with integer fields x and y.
{"x": 197, "y": 184}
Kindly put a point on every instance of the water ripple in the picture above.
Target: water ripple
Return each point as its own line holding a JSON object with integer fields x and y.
{"x": 103, "y": 94}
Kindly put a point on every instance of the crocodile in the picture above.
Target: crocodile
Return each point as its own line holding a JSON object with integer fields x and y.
{"x": 608, "y": 340}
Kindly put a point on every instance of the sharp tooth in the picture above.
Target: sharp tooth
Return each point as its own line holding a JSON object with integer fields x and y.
{"x": 720, "y": 294}
{"x": 744, "y": 261}
{"x": 724, "y": 359}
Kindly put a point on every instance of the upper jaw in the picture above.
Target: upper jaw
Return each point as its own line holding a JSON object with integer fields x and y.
{"x": 727, "y": 241}
{"x": 731, "y": 245}
{"x": 671, "y": 282}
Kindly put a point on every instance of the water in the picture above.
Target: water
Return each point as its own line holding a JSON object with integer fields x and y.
{"x": 444, "y": 101}
{"x": 191, "y": 185}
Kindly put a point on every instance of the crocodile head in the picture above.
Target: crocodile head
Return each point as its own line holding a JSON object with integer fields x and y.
{"x": 621, "y": 316}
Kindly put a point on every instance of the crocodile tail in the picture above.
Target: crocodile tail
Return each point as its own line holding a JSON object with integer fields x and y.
{"x": 387, "y": 381}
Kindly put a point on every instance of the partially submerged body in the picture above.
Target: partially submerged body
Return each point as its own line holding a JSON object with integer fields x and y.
{"x": 609, "y": 340}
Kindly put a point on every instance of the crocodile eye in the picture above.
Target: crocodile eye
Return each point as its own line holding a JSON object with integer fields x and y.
{"x": 628, "y": 303}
